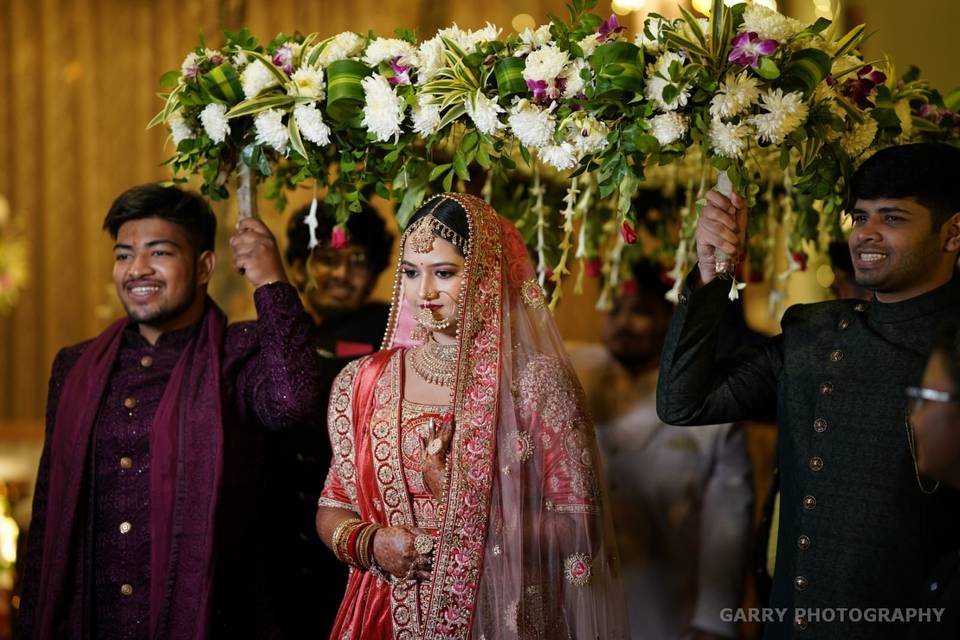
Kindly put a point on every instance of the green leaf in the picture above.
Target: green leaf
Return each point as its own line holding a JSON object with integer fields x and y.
{"x": 169, "y": 79}
{"x": 448, "y": 181}
{"x": 223, "y": 84}
{"x": 850, "y": 41}
{"x": 256, "y": 105}
{"x": 460, "y": 166}
{"x": 345, "y": 96}
{"x": 294, "y": 133}
{"x": 768, "y": 69}
{"x": 268, "y": 63}
{"x": 438, "y": 170}
{"x": 806, "y": 69}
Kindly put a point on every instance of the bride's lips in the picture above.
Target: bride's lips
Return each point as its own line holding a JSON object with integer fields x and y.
{"x": 431, "y": 307}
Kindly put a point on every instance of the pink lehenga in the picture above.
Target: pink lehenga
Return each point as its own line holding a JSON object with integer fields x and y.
{"x": 523, "y": 548}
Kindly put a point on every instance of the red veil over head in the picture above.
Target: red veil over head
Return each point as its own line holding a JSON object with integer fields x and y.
{"x": 524, "y": 550}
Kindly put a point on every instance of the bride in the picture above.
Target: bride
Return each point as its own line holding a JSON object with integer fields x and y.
{"x": 464, "y": 489}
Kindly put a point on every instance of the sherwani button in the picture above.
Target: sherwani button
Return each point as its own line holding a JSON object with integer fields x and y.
{"x": 861, "y": 307}
{"x": 843, "y": 324}
{"x": 130, "y": 403}
{"x": 819, "y": 425}
{"x": 801, "y": 583}
{"x": 816, "y": 463}
{"x": 146, "y": 362}
{"x": 800, "y": 623}
{"x": 836, "y": 356}
{"x": 125, "y": 527}
{"x": 682, "y": 298}
{"x": 803, "y": 542}
{"x": 826, "y": 388}
{"x": 809, "y": 503}
{"x": 126, "y": 589}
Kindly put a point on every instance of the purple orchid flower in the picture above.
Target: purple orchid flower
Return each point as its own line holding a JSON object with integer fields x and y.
{"x": 401, "y": 72}
{"x": 748, "y": 48}
{"x": 191, "y": 72}
{"x": 861, "y": 89}
{"x": 283, "y": 58}
{"x": 609, "y": 27}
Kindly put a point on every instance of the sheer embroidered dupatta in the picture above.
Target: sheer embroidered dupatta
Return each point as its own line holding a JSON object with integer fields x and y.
{"x": 523, "y": 549}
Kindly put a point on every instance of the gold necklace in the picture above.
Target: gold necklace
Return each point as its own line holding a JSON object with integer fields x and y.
{"x": 436, "y": 363}
{"x": 913, "y": 456}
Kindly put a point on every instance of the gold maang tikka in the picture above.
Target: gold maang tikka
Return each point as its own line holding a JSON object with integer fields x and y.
{"x": 421, "y": 234}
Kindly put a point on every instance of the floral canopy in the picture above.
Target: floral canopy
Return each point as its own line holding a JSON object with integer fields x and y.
{"x": 587, "y": 137}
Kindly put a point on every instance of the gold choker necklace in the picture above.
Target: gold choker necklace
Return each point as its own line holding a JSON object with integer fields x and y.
{"x": 436, "y": 363}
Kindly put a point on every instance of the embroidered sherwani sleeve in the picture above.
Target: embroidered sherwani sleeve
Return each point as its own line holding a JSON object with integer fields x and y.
{"x": 282, "y": 382}
{"x": 694, "y": 387}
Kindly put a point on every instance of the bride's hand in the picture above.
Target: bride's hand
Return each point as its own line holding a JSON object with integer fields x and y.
{"x": 434, "y": 457}
{"x": 395, "y": 551}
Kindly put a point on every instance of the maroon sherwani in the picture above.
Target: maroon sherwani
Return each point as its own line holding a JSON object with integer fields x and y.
{"x": 267, "y": 377}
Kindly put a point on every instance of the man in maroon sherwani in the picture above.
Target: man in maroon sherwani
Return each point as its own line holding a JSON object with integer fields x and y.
{"x": 142, "y": 519}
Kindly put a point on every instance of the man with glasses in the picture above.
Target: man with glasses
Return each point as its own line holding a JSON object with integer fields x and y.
{"x": 335, "y": 284}
{"x": 859, "y": 527}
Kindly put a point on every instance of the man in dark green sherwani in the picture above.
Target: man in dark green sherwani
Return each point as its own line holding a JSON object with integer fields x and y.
{"x": 859, "y": 526}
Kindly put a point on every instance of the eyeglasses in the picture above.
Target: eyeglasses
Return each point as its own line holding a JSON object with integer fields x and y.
{"x": 918, "y": 395}
{"x": 332, "y": 258}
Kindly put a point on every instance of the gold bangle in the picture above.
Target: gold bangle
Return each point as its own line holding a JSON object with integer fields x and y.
{"x": 340, "y": 537}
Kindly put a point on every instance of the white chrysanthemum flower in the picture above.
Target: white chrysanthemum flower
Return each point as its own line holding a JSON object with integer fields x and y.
{"x": 483, "y": 111}
{"x": 239, "y": 60}
{"x": 587, "y": 134}
{"x": 858, "y": 139}
{"x": 532, "y": 125}
{"x": 769, "y": 24}
{"x": 560, "y": 156}
{"x": 386, "y": 49}
{"x": 487, "y": 34}
{"x": 214, "y": 121}
{"x": 652, "y": 44}
{"x": 573, "y": 81}
{"x": 727, "y": 139}
{"x": 188, "y": 68}
{"x": 785, "y": 112}
{"x": 459, "y": 37}
{"x": 668, "y": 127}
{"x": 179, "y": 128}
{"x": 590, "y": 44}
{"x": 255, "y": 79}
{"x": 658, "y": 74}
{"x": 383, "y": 111}
{"x": 736, "y": 95}
{"x": 308, "y": 82}
{"x": 311, "y": 124}
{"x": 531, "y": 39}
{"x": 546, "y": 63}
{"x": 426, "y": 116}
{"x": 270, "y": 129}
{"x": 340, "y": 47}
{"x": 431, "y": 58}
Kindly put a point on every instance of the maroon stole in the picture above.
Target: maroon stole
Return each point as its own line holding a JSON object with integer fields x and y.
{"x": 186, "y": 449}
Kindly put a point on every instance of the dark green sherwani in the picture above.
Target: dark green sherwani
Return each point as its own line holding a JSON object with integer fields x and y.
{"x": 855, "y": 528}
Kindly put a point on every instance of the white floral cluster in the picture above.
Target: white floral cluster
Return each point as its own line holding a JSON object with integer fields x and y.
{"x": 659, "y": 78}
{"x": 769, "y": 24}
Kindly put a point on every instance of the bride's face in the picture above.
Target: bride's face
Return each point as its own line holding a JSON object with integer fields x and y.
{"x": 432, "y": 280}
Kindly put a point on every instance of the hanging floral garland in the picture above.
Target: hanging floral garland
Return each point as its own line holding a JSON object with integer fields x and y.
{"x": 750, "y": 92}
